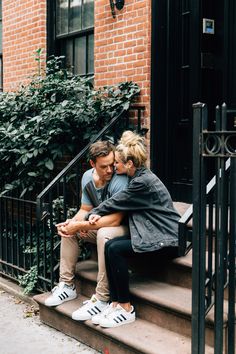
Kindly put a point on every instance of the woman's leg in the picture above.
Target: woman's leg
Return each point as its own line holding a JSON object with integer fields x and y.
{"x": 116, "y": 252}
{"x": 121, "y": 312}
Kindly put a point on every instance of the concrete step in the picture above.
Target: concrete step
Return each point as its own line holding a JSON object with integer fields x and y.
{"x": 177, "y": 271}
{"x": 163, "y": 304}
{"x": 140, "y": 337}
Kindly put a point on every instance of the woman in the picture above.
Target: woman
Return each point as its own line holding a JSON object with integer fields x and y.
{"x": 153, "y": 224}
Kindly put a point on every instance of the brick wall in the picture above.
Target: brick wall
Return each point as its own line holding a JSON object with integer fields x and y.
{"x": 123, "y": 46}
{"x": 24, "y": 31}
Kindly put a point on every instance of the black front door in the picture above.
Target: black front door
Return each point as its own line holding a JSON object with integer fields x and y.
{"x": 193, "y": 59}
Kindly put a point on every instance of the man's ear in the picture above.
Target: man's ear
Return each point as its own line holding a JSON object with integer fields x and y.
{"x": 92, "y": 163}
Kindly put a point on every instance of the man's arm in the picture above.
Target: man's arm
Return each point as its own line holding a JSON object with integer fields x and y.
{"x": 82, "y": 213}
{"x": 75, "y": 226}
{"x": 79, "y": 216}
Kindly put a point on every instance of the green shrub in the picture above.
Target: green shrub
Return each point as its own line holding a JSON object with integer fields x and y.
{"x": 29, "y": 280}
{"x": 55, "y": 114}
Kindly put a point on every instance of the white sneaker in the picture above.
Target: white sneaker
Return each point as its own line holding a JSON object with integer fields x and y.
{"x": 60, "y": 294}
{"x": 97, "y": 318}
{"x": 90, "y": 308}
{"x": 118, "y": 317}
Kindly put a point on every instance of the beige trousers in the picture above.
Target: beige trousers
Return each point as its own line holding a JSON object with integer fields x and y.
{"x": 70, "y": 252}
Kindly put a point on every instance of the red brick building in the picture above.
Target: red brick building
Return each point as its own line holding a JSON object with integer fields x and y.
{"x": 179, "y": 52}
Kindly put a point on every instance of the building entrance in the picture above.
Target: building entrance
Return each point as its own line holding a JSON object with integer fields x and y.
{"x": 193, "y": 59}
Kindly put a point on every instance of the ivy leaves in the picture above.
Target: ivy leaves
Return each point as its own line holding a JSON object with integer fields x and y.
{"x": 54, "y": 115}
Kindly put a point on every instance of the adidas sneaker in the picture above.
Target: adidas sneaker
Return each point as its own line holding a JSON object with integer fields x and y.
{"x": 60, "y": 294}
{"x": 90, "y": 308}
{"x": 118, "y": 317}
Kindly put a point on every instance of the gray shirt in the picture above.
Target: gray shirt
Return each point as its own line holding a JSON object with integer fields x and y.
{"x": 115, "y": 185}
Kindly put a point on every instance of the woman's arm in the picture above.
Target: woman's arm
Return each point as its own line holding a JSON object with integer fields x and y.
{"x": 109, "y": 220}
{"x": 133, "y": 198}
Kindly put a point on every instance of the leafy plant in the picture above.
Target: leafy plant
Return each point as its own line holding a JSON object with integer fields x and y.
{"x": 29, "y": 280}
{"x": 28, "y": 248}
{"x": 56, "y": 114}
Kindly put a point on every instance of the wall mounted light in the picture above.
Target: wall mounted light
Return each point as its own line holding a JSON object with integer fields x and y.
{"x": 119, "y": 4}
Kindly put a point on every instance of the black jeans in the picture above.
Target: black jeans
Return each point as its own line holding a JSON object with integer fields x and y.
{"x": 116, "y": 252}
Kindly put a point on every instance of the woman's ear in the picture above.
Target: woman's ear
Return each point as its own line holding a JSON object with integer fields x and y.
{"x": 129, "y": 164}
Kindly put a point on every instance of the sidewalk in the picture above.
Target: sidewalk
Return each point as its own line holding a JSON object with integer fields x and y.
{"x": 21, "y": 331}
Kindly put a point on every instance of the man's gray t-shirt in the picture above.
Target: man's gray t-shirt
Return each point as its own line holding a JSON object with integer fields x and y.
{"x": 116, "y": 184}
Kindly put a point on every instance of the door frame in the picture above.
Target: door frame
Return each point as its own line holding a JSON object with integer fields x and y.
{"x": 161, "y": 76}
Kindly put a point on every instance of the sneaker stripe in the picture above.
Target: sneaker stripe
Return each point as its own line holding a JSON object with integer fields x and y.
{"x": 123, "y": 316}
{"x": 63, "y": 296}
{"x": 94, "y": 311}
{"x": 120, "y": 318}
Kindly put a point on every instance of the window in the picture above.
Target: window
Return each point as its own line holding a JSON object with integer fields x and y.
{"x": 74, "y": 34}
{"x": 1, "y": 71}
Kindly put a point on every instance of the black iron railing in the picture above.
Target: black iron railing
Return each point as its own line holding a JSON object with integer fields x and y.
{"x": 214, "y": 230}
{"x": 17, "y": 236}
{"x": 28, "y": 241}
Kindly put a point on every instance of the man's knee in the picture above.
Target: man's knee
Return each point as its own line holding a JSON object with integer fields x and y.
{"x": 102, "y": 235}
{"x": 69, "y": 241}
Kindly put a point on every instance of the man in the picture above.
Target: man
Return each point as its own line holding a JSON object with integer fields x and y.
{"x": 98, "y": 183}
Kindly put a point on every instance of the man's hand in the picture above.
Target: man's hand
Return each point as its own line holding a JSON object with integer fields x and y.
{"x": 60, "y": 228}
{"x": 93, "y": 218}
{"x": 75, "y": 226}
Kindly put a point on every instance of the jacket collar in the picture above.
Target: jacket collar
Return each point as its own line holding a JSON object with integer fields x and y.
{"x": 138, "y": 172}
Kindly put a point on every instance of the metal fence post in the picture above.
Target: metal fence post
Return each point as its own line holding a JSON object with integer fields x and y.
{"x": 199, "y": 229}
{"x": 232, "y": 254}
{"x": 221, "y": 238}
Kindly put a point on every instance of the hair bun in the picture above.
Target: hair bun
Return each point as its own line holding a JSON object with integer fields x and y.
{"x": 130, "y": 138}
{"x": 132, "y": 147}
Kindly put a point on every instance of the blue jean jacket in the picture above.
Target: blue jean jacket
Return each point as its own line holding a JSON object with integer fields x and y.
{"x": 153, "y": 221}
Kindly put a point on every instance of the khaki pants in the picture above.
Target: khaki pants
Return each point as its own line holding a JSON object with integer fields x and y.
{"x": 70, "y": 252}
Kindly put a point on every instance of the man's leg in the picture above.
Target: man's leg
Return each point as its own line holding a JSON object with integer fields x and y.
{"x": 69, "y": 254}
{"x": 105, "y": 234}
{"x": 65, "y": 290}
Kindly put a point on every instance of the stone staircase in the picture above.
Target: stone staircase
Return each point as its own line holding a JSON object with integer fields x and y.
{"x": 161, "y": 293}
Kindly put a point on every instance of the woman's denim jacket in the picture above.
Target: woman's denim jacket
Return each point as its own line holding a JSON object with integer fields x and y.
{"x": 153, "y": 221}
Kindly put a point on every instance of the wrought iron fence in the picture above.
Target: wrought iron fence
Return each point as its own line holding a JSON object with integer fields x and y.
{"x": 214, "y": 230}
{"x": 28, "y": 239}
{"x": 17, "y": 236}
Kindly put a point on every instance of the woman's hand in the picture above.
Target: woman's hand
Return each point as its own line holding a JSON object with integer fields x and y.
{"x": 93, "y": 218}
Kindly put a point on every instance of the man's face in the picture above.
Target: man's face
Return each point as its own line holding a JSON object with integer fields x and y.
{"x": 104, "y": 166}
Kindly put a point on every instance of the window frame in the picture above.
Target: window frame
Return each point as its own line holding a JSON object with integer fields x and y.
{"x": 59, "y": 41}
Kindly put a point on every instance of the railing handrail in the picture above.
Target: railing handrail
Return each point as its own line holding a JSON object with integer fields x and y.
{"x": 187, "y": 216}
{"x": 80, "y": 155}
{"x": 18, "y": 199}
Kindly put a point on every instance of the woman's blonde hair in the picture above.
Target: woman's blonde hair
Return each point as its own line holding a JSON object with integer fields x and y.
{"x": 132, "y": 147}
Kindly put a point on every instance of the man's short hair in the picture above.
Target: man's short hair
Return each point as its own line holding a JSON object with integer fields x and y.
{"x": 100, "y": 149}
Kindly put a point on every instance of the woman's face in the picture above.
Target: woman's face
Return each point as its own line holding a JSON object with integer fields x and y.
{"x": 119, "y": 165}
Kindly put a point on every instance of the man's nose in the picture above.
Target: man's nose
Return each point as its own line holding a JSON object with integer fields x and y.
{"x": 110, "y": 169}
